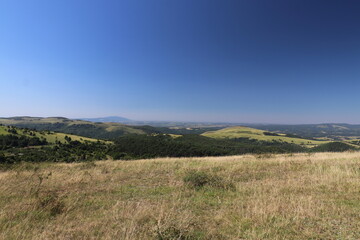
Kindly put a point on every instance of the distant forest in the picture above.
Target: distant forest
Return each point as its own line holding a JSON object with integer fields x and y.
{"x": 17, "y": 149}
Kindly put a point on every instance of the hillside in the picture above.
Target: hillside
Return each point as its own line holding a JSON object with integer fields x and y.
{"x": 100, "y": 130}
{"x": 50, "y": 137}
{"x": 25, "y": 145}
{"x": 291, "y": 196}
{"x": 261, "y": 135}
{"x": 331, "y": 131}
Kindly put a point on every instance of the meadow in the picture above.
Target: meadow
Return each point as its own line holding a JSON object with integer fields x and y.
{"x": 252, "y": 133}
{"x": 284, "y": 196}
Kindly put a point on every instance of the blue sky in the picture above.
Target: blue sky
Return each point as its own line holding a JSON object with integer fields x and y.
{"x": 190, "y": 60}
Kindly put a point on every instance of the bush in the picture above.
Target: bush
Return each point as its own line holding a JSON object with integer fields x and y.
{"x": 271, "y": 134}
{"x": 173, "y": 232}
{"x": 333, "y": 147}
{"x": 52, "y": 203}
{"x": 200, "y": 179}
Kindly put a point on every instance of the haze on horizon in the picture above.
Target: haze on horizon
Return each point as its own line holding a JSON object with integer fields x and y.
{"x": 214, "y": 61}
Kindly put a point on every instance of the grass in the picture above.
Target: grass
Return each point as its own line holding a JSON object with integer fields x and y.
{"x": 252, "y": 133}
{"x": 3, "y": 131}
{"x": 293, "y": 196}
{"x": 50, "y": 137}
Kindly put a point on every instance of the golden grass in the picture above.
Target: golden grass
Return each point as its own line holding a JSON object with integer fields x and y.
{"x": 252, "y": 133}
{"x": 291, "y": 196}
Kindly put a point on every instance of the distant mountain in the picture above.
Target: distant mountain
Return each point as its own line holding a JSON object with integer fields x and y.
{"x": 177, "y": 124}
{"x": 108, "y": 119}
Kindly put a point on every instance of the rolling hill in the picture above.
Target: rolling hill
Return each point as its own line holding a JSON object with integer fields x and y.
{"x": 330, "y": 131}
{"x": 26, "y": 145}
{"x": 49, "y": 136}
{"x": 261, "y": 135}
{"x": 100, "y": 130}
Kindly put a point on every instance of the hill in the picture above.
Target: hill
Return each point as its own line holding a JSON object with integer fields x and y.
{"x": 331, "y": 131}
{"x": 297, "y": 196}
{"x": 26, "y": 145}
{"x": 100, "y": 130}
{"x": 49, "y": 136}
{"x": 261, "y": 135}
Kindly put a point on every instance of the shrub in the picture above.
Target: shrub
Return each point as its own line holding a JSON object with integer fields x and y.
{"x": 175, "y": 233}
{"x": 87, "y": 165}
{"x": 199, "y": 179}
{"x": 51, "y": 202}
{"x": 271, "y": 134}
{"x": 333, "y": 147}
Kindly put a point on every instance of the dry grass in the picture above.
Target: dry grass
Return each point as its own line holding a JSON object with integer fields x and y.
{"x": 253, "y": 133}
{"x": 300, "y": 196}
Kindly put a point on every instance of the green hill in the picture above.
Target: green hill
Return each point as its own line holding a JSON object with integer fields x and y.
{"x": 26, "y": 145}
{"x": 98, "y": 130}
{"x": 252, "y": 133}
{"x": 49, "y": 136}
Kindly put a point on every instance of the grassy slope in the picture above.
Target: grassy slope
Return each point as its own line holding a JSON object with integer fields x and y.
{"x": 104, "y": 128}
{"x": 245, "y": 132}
{"x": 297, "y": 196}
{"x": 50, "y": 137}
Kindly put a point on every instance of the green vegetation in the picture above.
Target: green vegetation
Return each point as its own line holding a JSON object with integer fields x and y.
{"x": 13, "y": 141}
{"x": 73, "y": 151}
{"x": 333, "y": 147}
{"x": 143, "y": 146}
{"x": 45, "y": 135}
{"x": 201, "y": 179}
{"x": 21, "y": 144}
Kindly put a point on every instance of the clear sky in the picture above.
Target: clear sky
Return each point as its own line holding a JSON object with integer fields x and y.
{"x": 196, "y": 60}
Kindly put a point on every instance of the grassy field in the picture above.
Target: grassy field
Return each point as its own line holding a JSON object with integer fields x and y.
{"x": 50, "y": 137}
{"x": 252, "y": 133}
{"x": 300, "y": 196}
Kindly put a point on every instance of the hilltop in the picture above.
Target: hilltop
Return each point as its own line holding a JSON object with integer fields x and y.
{"x": 261, "y": 135}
